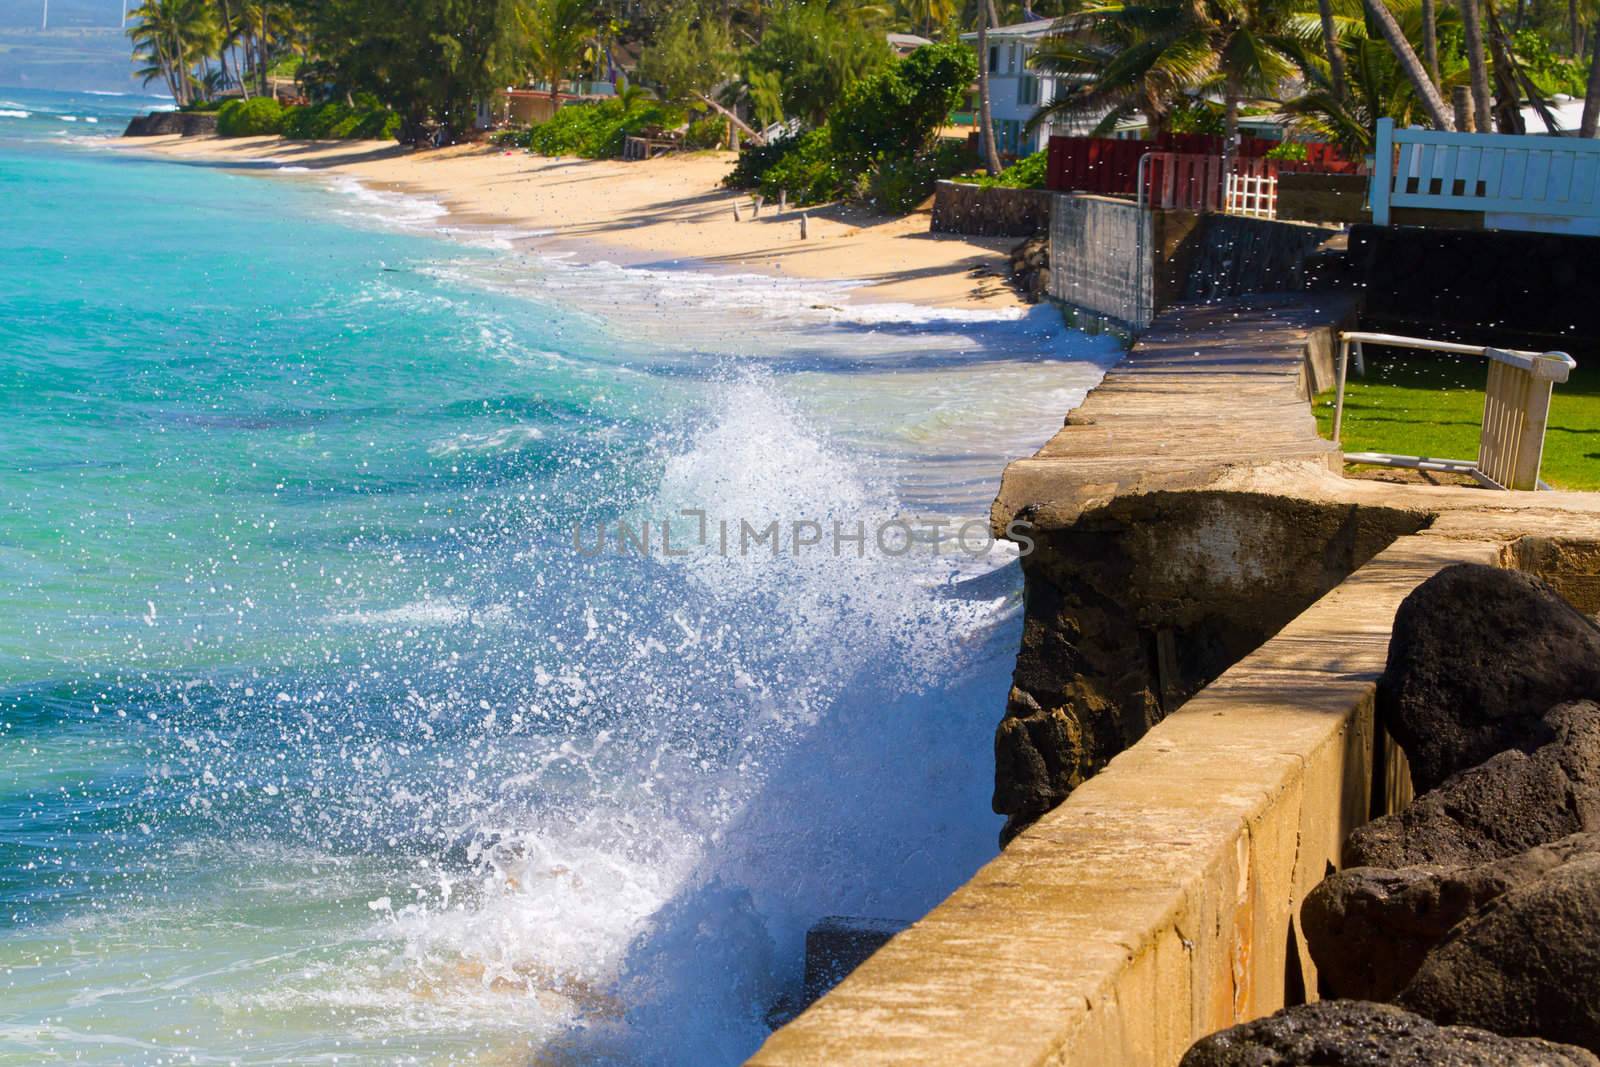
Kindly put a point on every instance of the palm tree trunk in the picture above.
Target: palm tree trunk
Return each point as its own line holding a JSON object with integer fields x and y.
{"x": 1230, "y": 127}
{"x": 1472, "y": 24}
{"x": 1574, "y": 31}
{"x": 261, "y": 50}
{"x": 555, "y": 92}
{"x": 1430, "y": 40}
{"x": 1590, "y": 124}
{"x": 227, "y": 32}
{"x": 1508, "y": 98}
{"x": 1426, "y": 90}
{"x": 991, "y": 155}
{"x": 1330, "y": 40}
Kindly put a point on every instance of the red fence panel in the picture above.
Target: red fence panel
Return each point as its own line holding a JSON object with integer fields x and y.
{"x": 1110, "y": 166}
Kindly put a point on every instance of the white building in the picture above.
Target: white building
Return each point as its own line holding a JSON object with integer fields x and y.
{"x": 1017, "y": 92}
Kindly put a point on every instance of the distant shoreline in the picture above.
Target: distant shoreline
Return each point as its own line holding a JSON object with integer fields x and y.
{"x": 667, "y": 212}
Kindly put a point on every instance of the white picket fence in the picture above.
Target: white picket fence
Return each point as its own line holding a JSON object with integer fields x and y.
{"x": 1253, "y": 194}
{"x": 1518, "y": 182}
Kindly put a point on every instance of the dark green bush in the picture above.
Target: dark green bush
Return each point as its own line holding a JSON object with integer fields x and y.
{"x": 1029, "y": 172}
{"x": 898, "y": 111}
{"x": 899, "y": 183}
{"x": 706, "y": 133}
{"x": 597, "y": 131}
{"x": 514, "y": 137}
{"x": 336, "y": 120}
{"x": 250, "y": 118}
{"x": 881, "y": 143}
{"x": 755, "y": 160}
{"x": 808, "y": 171}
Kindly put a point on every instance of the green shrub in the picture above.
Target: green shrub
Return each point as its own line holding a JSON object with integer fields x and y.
{"x": 808, "y": 171}
{"x": 898, "y": 183}
{"x": 597, "y": 131}
{"x": 898, "y": 111}
{"x": 336, "y": 120}
{"x": 1029, "y": 172}
{"x": 755, "y": 160}
{"x": 250, "y": 118}
{"x": 204, "y": 105}
{"x": 515, "y": 137}
{"x": 881, "y": 143}
{"x": 1294, "y": 151}
{"x": 706, "y": 133}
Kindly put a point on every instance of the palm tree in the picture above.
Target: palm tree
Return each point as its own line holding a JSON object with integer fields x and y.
{"x": 558, "y": 33}
{"x": 1589, "y": 125}
{"x": 929, "y": 15}
{"x": 1376, "y": 86}
{"x": 991, "y": 153}
{"x": 1472, "y": 26}
{"x": 1121, "y": 56}
{"x": 1432, "y": 102}
{"x": 1122, "y": 59}
{"x": 1330, "y": 42}
{"x": 170, "y": 37}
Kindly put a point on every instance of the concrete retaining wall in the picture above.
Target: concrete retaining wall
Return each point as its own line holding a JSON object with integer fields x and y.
{"x": 1112, "y": 259}
{"x": 1160, "y": 901}
{"x": 1101, "y": 257}
{"x": 980, "y": 212}
{"x": 1234, "y": 255}
{"x": 1489, "y": 287}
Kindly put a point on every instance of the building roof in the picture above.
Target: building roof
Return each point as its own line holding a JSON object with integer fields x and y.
{"x": 1568, "y": 113}
{"x": 907, "y": 40}
{"x": 1026, "y": 30}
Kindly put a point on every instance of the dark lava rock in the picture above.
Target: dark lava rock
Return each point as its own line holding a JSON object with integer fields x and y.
{"x": 1527, "y": 963}
{"x": 1369, "y": 928}
{"x": 1477, "y": 657}
{"x": 1355, "y": 1033}
{"x": 158, "y": 123}
{"x": 1512, "y": 802}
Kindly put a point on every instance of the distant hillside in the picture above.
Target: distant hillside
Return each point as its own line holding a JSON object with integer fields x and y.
{"x": 66, "y": 59}
{"x": 84, "y": 47}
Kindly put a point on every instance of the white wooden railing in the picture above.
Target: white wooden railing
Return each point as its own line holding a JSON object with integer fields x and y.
{"x": 1518, "y": 182}
{"x": 1253, "y": 194}
{"x": 1516, "y": 410}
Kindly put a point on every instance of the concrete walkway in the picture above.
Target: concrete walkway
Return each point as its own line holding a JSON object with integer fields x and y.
{"x": 1206, "y": 388}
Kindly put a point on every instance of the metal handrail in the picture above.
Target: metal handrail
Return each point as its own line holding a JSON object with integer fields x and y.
{"x": 1549, "y": 367}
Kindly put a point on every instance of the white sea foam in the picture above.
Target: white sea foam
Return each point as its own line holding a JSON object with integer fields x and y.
{"x": 507, "y": 438}
{"x": 425, "y": 613}
{"x": 67, "y": 118}
{"x": 10, "y": 113}
{"x": 769, "y": 700}
{"x": 398, "y": 209}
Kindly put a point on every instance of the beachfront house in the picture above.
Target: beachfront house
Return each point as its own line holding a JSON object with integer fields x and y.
{"x": 1017, "y": 91}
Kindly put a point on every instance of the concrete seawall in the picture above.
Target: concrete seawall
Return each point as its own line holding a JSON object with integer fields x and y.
{"x": 1151, "y": 893}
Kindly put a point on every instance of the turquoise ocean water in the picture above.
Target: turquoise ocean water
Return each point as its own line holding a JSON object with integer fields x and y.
{"x": 320, "y": 739}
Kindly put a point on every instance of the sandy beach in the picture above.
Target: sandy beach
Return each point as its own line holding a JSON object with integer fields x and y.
{"x": 669, "y": 211}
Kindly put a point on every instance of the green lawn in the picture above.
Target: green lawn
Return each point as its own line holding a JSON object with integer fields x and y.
{"x": 1433, "y": 406}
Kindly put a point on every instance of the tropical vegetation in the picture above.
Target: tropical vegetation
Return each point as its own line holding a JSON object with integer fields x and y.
{"x": 819, "y": 99}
